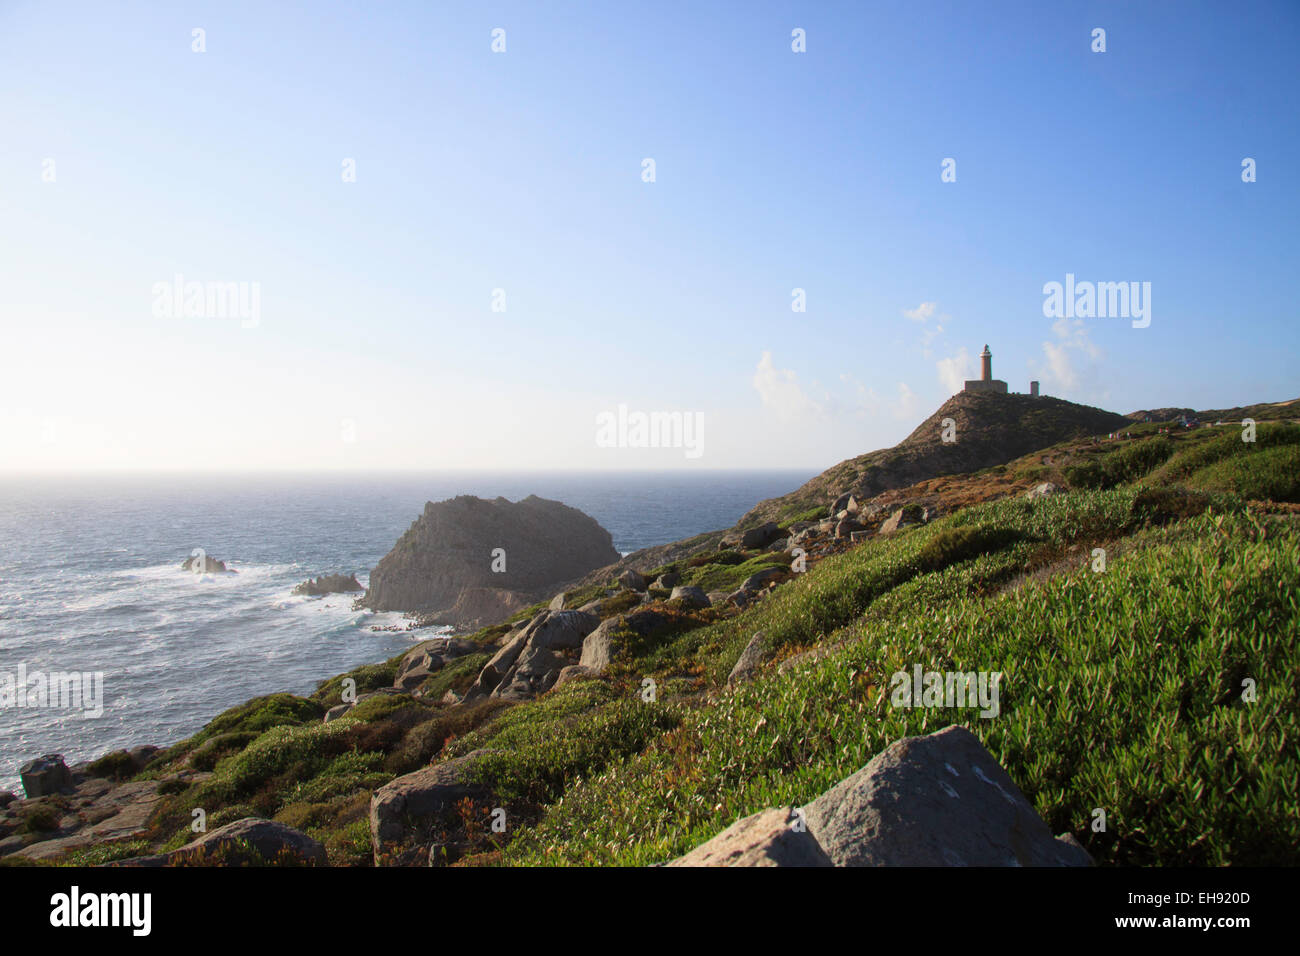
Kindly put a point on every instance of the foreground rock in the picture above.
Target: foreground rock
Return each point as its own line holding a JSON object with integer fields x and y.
{"x": 418, "y": 810}
{"x": 751, "y": 658}
{"x": 45, "y": 775}
{"x": 768, "y": 838}
{"x": 425, "y": 660}
{"x": 89, "y": 810}
{"x": 939, "y": 800}
{"x": 250, "y": 841}
{"x": 533, "y": 656}
{"x": 468, "y": 561}
{"x": 329, "y": 584}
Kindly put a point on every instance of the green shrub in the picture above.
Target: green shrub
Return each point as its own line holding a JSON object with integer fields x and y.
{"x": 1271, "y": 474}
{"x": 118, "y": 765}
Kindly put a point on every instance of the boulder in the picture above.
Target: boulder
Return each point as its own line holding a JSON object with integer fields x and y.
{"x": 846, "y": 527}
{"x": 767, "y": 838}
{"x": 335, "y": 712}
{"x": 572, "y": 672}
{"x": 761, "y": 536}
{"x": 840, "y": 504}
{"x": 667, "y": 581}
{"x": 690, "y": 596}
{"x": 938, "y": 800}
{"x": 902, "y": 518}
{"x": 490, "y": 676}
{"x": 535, "y": 672}
{"x": 557, "y": 602}
{"x": 602, "y": 645}
{"x": 45, "y": 775}
{"x": 632, "y": 579}
{"x": 779, "y": 545}
{"x": 559, "y": 629}
{"x": 273, "y": 842}
{"x": 329, "y": 584}
{"x": 761, "y": 579}
{"x": 409, "y": 810}
{"x": 749, "y": 661}
{"x": 740, "y": 597}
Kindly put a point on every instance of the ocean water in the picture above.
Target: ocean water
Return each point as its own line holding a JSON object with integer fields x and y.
{"x": 91, "y": 582}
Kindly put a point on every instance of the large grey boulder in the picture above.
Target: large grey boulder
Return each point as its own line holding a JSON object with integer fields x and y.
{"x": 45, "y": 775}
{"x": 407, "y": 812}
{"x": 690, "y": 596}
{"x": 273, "y": 843}
{"x": 767, "y": 838}
{"x": 534, "y": 673}
{"x": 763, "y": 535}
{"x": 496, "y": 668}
{"x": 938, "y": 800}
{"x": 559, "y": 629}
{"x": 602, "y": 645}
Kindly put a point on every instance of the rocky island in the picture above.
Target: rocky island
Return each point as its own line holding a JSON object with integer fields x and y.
{"x": 469, "y": 561}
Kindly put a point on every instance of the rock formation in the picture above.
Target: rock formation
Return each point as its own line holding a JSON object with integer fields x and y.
{"x": 329, "y": 584}
{"x": 468, "y": 561}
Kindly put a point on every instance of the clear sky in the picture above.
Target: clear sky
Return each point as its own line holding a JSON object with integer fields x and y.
{"x": 375, "y": 343}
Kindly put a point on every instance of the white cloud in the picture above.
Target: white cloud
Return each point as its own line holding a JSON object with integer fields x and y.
{"x": 1071, "y": 358}
{"x": 780, "y": 391}
{"x": 907, "y": 405}
{"x": 921, "y": 312}
{"x": 955, "y": 370}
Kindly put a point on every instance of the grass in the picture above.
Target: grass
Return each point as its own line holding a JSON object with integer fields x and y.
{"x": 1148, "y": 657}
{"x": 1122, "y": 690}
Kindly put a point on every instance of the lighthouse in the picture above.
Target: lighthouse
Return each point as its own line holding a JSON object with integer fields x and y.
{"x": 986, "y": 382}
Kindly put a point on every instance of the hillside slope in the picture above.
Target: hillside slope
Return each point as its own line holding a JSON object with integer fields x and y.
{"x": 991, "y": 429}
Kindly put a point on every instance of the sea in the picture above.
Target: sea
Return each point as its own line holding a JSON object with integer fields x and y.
{"x": 91, "y": 583}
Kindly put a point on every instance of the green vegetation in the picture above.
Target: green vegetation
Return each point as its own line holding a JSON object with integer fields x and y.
{"x": 1121, "y": 690}
{"x": 1128, "y": 690}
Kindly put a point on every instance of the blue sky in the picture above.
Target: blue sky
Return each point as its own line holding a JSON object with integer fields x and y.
{"x": 376, "y": 345}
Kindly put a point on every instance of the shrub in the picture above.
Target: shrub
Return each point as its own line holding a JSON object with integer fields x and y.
{"x": 953, "y": 545}
{"x": 117, "y": 765}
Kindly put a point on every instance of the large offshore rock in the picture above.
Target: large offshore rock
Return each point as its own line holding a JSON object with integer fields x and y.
{"x": 496, "y": 553}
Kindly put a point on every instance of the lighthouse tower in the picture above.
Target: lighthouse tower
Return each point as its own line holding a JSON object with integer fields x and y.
{"x": 986, "y": 382}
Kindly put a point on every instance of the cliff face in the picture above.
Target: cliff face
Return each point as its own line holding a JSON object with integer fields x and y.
{"x": 448, "y": 566}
